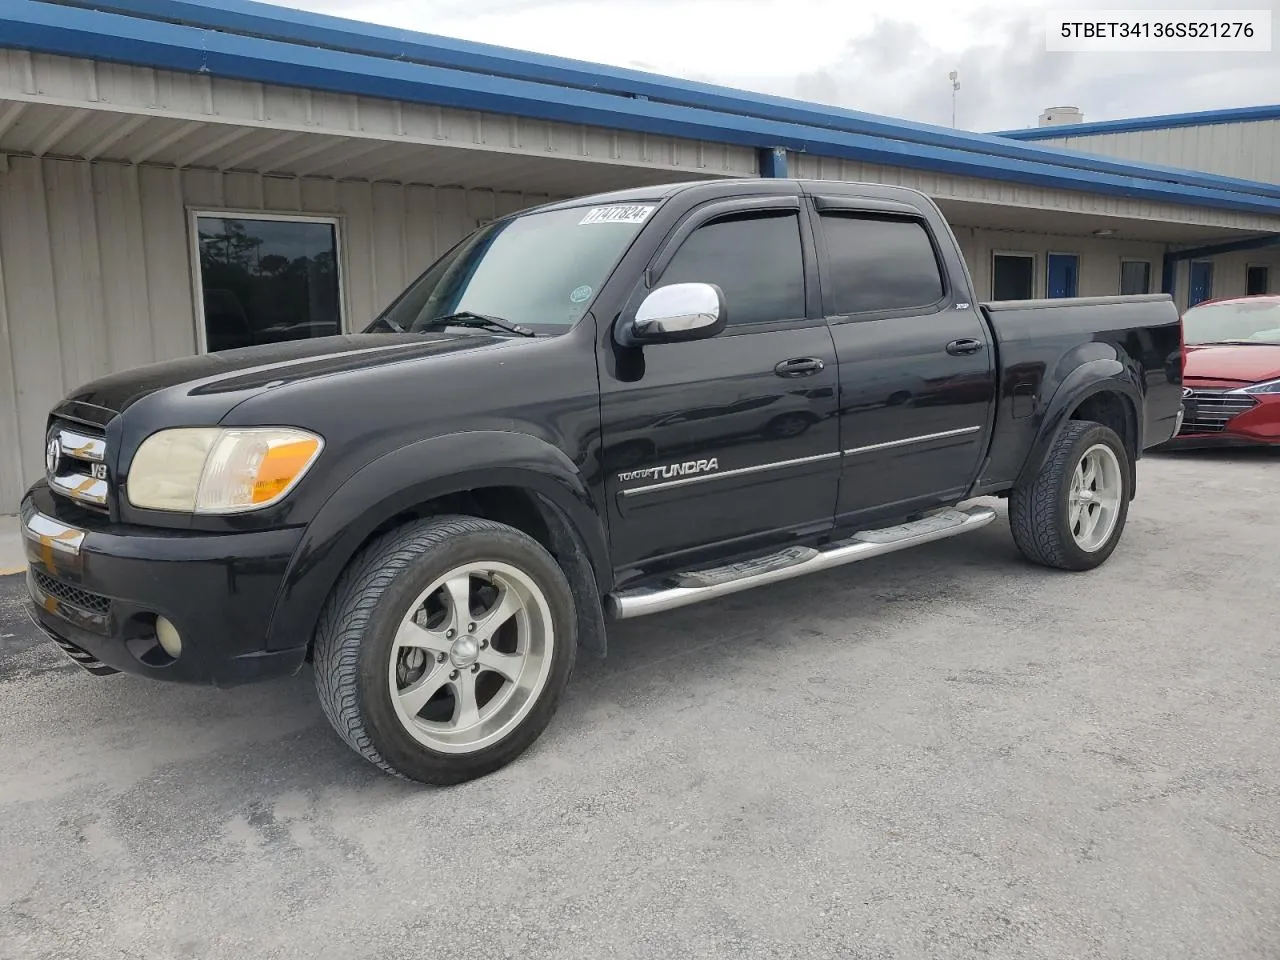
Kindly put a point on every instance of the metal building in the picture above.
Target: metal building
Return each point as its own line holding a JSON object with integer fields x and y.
{"x": 185, "y": 175}
{"x": 1244, "y": 142}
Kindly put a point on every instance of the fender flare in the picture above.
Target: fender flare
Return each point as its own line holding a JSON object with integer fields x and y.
{"x": 408, "y": 476}
{"x": 1099, "y": 375}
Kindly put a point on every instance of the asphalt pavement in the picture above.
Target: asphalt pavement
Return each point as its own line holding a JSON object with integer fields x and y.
{"x": 946, "y": 753}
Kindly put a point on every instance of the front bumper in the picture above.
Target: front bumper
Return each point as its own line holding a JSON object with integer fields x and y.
{"x": 97, "y": 590}
{"x": 1214, "y": 441}
{"x": 1251, "y": 426}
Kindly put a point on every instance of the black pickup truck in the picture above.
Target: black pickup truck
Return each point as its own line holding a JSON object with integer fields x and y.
{"x": 593, "y": 410}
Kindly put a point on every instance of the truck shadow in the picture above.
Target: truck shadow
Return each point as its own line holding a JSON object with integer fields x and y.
{"x": 1218, "y": 455}
{"x": 846, "y": 602}
{"x": 275, "y": 733}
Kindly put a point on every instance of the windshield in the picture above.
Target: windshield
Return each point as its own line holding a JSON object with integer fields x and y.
{"x": 1243, "y": 321}
{"x": 539, "y": 270}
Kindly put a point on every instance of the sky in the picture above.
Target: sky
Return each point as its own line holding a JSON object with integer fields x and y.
{"x": 888, "y": 57}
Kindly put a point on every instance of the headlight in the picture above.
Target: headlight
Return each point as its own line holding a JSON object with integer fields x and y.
{"x": 1270, "y": 386}
{"x": 217, "y": 470}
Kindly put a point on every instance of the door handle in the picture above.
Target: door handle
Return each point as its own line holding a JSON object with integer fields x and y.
{"x": 799, "y": 367}
{"x": 964, "y": 347}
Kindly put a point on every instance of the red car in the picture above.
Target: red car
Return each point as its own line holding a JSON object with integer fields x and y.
{"x": 1231, "y": 373}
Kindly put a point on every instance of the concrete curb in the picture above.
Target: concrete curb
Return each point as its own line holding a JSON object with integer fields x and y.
{"x": 13, "y": 558}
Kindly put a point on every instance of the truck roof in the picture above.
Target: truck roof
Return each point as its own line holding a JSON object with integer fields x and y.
{"x": 729, "y": 186}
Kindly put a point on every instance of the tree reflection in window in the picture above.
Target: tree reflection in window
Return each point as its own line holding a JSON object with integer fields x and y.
{"x": 265, "y": 281}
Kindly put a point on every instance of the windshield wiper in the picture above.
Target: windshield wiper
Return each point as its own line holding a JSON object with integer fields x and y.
{"x": 479, "y": 321}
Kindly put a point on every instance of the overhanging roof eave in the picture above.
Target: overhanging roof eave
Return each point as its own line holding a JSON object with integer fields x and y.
{"x": 95, "y": 35}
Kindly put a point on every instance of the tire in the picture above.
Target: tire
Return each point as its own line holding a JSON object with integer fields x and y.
{"x": 370, "y": 684}
{"x": 1043, "y": 514}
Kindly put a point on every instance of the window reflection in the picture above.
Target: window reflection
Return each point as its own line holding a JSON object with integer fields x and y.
{"x": 265, "y": 281}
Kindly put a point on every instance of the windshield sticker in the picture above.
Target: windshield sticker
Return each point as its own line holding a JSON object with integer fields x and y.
{"x": 619, "y": 214}
{"x": 581, "y": 294}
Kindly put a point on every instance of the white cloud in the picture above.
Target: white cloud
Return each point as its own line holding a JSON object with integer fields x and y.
{"x": 890, "y": 59}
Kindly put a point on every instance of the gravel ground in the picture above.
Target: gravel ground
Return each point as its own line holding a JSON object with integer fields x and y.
{"x": 943, "y": 753}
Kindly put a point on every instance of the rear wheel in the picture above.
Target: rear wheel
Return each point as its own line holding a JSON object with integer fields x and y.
{"x": 442, "y": 653}
{"x": 1072, "y": 513}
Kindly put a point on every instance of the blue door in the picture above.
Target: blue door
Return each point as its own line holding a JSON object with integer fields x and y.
{"x": 1201, "y": 282}
{"x": 1064, "y": 273}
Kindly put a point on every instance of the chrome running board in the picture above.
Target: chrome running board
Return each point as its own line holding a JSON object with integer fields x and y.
{"x": 697, "y": 586}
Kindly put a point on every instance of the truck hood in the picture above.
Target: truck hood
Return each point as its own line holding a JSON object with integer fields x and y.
{"x": 254, "y": 368}
{"x": 1243, "y": 363}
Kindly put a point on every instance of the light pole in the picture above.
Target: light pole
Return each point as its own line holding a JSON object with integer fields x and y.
{"x": 954, "y": 77}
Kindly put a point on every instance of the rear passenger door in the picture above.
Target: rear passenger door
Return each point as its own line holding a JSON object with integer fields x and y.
{"x": 917, "y": 371}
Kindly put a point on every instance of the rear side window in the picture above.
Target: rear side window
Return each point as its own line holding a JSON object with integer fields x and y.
{"x": 756, "y": 260}
{"x": 880, "y": 264}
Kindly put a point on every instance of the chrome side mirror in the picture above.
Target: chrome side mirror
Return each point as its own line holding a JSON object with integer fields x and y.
{"x": 681, "y": 311}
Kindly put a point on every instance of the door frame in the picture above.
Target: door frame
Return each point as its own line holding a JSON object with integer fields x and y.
{"x": 1191, "y": 274}
{"x": 232, "y": 213}
{"x": 1120, "y": 273}
{"x": 1023, "y": 254}
{"x": 1257, "y": 266}
{"x": 870, "y": 207}
{"x": 1048, "y": 264}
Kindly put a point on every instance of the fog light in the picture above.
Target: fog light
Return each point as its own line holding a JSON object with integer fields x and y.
{"x": 167, "y": 634}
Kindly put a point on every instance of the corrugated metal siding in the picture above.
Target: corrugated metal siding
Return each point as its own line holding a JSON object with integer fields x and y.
{"x": 1247, "y": 150}
{"x": 97, "y": 110}
{"x": 95, "y": 269}
{"x": 1099, "y": 259}
{"x": 1100, "y": 262}
{"x": 1229, "y": 273}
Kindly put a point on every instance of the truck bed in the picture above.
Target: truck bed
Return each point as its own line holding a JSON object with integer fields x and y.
{"x": 1039, "y": 342}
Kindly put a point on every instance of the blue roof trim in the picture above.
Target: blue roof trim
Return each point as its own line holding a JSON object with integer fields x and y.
{"x": 267, "y": 21}
{"x": 1167, "y": 122}
{"x": 86, "y": 33}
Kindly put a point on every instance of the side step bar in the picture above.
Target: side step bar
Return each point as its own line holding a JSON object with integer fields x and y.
{"x": 695, "y": 587}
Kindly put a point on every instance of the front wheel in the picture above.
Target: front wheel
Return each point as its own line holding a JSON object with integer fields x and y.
{"x": 443, "y": 651}
{"x": 1072, "y": 513}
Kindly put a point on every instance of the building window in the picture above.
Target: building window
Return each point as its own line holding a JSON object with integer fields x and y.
{"x": 1062, "y": 275}
{"x": 1201, "y": 282}
{"x": 756, "y": 260}
{"x": 880, "y": 264}
{"x": 1257, "y": 281}
{"x": 1135, "y": 277}
{"x": 1013, "y": 276}
{"x": 266, "y": 279}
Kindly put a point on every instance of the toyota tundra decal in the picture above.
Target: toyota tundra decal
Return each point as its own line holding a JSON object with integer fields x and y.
{"x": 671, "y": 471}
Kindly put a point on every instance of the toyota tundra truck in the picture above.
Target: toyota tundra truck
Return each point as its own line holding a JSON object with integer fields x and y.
{"x": 589, "y": 411}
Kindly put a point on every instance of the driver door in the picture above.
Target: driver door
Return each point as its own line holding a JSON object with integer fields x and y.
{"x": 727, "y": 445}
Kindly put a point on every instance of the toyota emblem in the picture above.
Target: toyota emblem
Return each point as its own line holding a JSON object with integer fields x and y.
{"x": 53, "y": 456}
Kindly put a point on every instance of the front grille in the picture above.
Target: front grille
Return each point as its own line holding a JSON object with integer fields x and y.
{"x": 71, "y": 595}
{"x": 1209, "y": 411}
{"x": 76, "y": 463}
